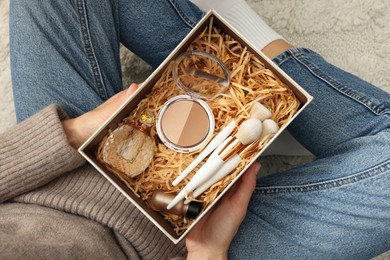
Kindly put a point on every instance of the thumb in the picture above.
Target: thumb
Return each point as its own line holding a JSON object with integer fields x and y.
{"x": 118, "y": 99}
{"x": 246, "y": 187}
{"x": 130, "y": 90}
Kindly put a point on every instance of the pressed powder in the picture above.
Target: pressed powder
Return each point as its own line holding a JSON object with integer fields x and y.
{"x": 184, "y": 123}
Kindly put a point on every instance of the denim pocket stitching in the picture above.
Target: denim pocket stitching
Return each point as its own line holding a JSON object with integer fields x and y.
{"x": 191, "y": 23}
{"x": 324, "y": 185}
{"x": 289, "y": 54}
{"x": 89, "y": 49}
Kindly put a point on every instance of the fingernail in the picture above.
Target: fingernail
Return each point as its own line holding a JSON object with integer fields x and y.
{"x": 257, "y": 168}
{"x": 131, "y": 89}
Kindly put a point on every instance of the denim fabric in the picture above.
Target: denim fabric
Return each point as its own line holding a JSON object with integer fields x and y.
{"x": 337, "y": 207}
{"x": 67, "y": 52}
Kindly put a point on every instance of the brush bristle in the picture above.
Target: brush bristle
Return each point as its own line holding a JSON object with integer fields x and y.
{"x": 260, "y": 112}
{"x": 249, "y": 131}
{"x": 269, "y": 127}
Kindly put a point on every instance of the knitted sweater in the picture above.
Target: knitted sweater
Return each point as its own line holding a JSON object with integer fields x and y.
{"x": 56, "y": 206}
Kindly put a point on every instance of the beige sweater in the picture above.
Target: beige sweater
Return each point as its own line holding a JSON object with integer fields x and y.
{"x": 56, "y": 206}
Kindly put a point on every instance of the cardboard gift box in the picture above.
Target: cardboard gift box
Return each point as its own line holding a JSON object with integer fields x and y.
{"x": 89, "y": 148}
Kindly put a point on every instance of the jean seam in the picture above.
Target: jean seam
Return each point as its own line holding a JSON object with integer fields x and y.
{"x": 289, "y": 54}
{"x": 326, "y": 185}
{"x": 363, "y": 100}
{"x": 279, "y": 61}
{"x": 182, "y": 14}
{"x": 89, "y": 49}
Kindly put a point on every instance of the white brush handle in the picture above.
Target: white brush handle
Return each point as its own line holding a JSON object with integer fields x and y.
{"x": 228, "y": 167}
{"x": 217, "y": 140}
{"x": 220, "y": 147}
{"x": 202, "y": 175}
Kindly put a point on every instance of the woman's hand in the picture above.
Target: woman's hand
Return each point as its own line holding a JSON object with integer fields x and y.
{"x": 211, "y": 237}
{"x": 79, "y": 129}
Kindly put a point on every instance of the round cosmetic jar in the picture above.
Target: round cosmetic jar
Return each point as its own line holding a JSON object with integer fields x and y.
{"x": 185, "y": 123}
{"x": 200, "y": 74}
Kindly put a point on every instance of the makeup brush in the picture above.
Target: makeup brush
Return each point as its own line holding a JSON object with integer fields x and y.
{"x": 248, "y": 132}
{"x": 226, "y": 168}
{"x": 259, "y": 111}
{"x": 217, "y": 140}
{"x": 269, "y": 127}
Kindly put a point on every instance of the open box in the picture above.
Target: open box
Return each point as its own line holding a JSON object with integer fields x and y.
{"x": 88, "y": 149}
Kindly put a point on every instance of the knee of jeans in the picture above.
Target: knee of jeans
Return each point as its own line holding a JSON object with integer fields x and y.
{"x": 23, "y": 10}
{"x": 23, "y": 13}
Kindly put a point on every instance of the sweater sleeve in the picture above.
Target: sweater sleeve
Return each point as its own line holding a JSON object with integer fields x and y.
{"x": 35, "y": 152}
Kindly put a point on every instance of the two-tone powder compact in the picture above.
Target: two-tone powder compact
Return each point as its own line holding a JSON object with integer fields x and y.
{"x": 186, "y": 122}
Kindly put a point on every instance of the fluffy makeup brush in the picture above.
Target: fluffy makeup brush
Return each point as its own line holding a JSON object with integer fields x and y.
{"x": 259, "y": 111}
{"x": 217, "y": 140}
{"x": 248, "y": 132}
{"x": 229, "y": 166}
{"x": 269, "y": 127}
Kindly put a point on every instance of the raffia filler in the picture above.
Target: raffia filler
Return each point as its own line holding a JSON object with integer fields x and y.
{"x": 250, "y": 82}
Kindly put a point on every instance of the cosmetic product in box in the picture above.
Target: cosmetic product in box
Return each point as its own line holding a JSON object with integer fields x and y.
{"x": 257, "y": 90}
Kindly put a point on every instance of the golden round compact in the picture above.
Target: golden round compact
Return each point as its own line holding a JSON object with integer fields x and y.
{"x": 185, "y": 123}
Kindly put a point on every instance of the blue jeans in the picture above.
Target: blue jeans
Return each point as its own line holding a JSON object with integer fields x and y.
{"x": 70, "y": 53}
{"x": 337, "y": 207}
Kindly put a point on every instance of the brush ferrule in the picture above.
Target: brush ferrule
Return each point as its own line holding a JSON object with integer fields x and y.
{"x": 230, "y": 149}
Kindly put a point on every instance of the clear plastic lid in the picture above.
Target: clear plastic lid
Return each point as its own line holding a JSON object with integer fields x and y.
{"x": 200, "y": 74}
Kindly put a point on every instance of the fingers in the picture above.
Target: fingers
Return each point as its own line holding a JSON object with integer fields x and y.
{"x": 123, "y": 95}
{"x": 248, "y": 182}
{"x": 133, "y": 87}
{"x": 118, "y": 99}
{"x": 245, "y": 188}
